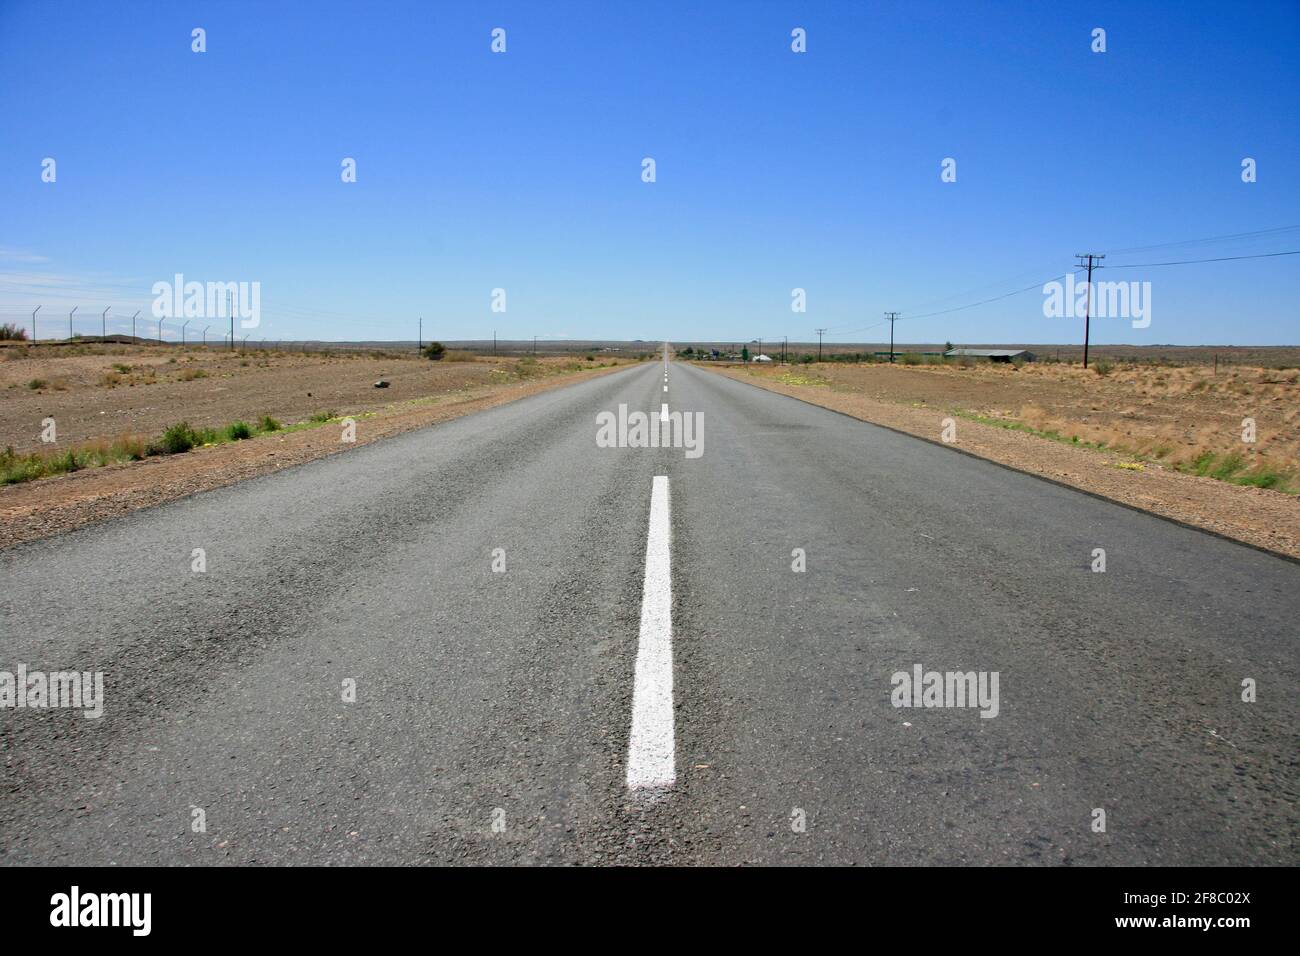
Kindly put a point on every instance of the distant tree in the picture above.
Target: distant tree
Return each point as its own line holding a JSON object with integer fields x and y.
{"x": 947, "y": 347}
{"x": 744, "y": 353}
{"x": 435, "y": 351}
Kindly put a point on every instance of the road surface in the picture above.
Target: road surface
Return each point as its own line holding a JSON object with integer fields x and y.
{"x": 494, "y": 709}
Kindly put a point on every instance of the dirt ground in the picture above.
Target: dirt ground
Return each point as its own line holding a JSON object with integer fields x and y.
{"x": 1142, "y": 421}
{"x": 421, "y": 393}
{"x": 111, "y": 390}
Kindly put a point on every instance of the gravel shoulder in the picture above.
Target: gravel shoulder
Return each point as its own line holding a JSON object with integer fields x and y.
{"x": 1262, "y": 518}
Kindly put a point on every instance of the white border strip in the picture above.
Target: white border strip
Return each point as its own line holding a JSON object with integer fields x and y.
{"x": 651, "y": 758}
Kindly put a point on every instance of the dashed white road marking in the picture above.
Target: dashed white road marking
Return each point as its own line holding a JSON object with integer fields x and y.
{"x": 651, "y": 750}
{"x": 665, "y": 388}
{"x": 663, "y": 412}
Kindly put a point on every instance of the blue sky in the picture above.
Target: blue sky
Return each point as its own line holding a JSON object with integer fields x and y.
{"x": 775, "y": 170}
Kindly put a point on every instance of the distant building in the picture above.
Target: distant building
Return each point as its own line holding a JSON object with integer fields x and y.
{"x": 993, "y": 355}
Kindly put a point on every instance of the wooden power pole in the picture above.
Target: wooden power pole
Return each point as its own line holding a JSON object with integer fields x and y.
{"x": 1087, "y": 308}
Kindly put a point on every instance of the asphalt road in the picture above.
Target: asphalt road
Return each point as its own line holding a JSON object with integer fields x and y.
{"x": 493, "y": 709}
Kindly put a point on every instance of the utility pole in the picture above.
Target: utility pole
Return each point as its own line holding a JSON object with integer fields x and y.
{"x": 160, "y": 331}
{"x": 74, "y": 309}
{"x": 133, "y": 342}
{"x": 205, "y": 335}
{"x": 1087, "y": 309}
{"x": 103, "y": 325}
{"x": 34, "y": 311}
{"x": 494, "y": 341}
{"x": 187, "y": 322}
{"x": 534, "y": 345}
{"x": 231, "y": 309}
{"x": 785, "y": 340}
{"x": 419, "y": 342}
{"x": 891, "y": 316}
{"x": 820, "y": 332}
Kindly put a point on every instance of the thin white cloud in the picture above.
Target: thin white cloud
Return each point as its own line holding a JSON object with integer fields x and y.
{"x": 21, "y": 255}
{"x": 28, "y": 289}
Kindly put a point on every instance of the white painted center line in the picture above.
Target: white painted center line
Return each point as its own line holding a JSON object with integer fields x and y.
{"x": 663, "y": 412}
{"x": 651, "y": 758}
{"x": 665, "y": 388}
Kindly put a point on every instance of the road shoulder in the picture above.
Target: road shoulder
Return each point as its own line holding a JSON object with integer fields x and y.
{"x": 1264, "y": 519}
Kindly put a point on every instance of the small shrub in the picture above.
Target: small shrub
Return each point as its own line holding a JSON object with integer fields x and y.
{"x": 268, "y": 424}
{"x": 129, "y": 448}
{"x": 1201, "y": 464}
{"x": 911, "y": 358}
{"x": 1262, "y": 477}
{"x": 238, "y": 431}
{"x": 435, "y": 351}
{"x": 1227, "y": 466}
{"x": 1102, "y": 367}
{"x": 64, "y": 462}
{"x": 36, "y": 383}
{"x": 12, "y": 333}
{"x": 179, "y": 438}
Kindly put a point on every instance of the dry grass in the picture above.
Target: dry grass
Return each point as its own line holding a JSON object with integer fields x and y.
{"x": 15, "y": 468}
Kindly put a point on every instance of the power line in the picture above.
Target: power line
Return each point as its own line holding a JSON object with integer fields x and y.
{"x": 996, "y": 298}
{"x": 865, "y": 328}
{"x": 975, "y": 291}
{"x": 1185, "y": 262}
{"x": 1231, "y": 237}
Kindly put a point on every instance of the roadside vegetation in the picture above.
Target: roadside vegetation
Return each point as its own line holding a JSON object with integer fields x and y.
{"x": 176, "y": 440}
{"x": 1231, "y": 467}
